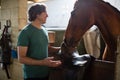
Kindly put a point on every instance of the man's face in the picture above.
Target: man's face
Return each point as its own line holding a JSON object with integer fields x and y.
{"x": 42, "y": 17}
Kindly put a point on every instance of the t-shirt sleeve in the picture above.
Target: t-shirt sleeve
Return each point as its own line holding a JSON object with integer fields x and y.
{"x": 23, "y": 39}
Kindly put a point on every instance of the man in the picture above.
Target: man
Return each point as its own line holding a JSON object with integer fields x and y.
{"x": 33, "y": 47}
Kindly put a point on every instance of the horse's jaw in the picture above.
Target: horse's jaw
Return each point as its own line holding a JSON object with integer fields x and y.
{"x": 66, "y": 54}
{"x": 70, "y": 57}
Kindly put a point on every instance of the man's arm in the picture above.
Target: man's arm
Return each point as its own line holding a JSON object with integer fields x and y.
{"x": 24, "y": 59}
{"x": 29, "y": 61}
{"x": 52, "y": 49}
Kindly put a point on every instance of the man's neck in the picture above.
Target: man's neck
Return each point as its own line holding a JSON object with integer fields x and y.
{"x": 37, "y": 24}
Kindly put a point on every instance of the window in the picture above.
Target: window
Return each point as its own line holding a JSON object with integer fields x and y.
{"x": 58, "y": 13}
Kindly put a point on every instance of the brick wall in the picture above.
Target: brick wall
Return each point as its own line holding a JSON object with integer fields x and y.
{"x": 15, "y": 11}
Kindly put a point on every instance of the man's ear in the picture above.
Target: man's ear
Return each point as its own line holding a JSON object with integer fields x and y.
{"x": 37, "y": 15}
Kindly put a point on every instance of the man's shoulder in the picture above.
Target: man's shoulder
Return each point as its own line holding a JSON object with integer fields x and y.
{"x": 27, "y": 28}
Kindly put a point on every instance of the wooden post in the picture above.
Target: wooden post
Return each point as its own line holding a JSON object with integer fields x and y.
{"x": 117, "y": 70}
{"x": 51, "y": 35}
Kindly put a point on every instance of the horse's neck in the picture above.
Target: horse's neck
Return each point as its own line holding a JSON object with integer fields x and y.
{"x": 108, "y": 19}
{"x": 109, "y": 28}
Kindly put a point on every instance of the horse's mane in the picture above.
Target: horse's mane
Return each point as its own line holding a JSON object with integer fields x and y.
{"x": 114, "y": 8}
{"x": 104, "y": 3}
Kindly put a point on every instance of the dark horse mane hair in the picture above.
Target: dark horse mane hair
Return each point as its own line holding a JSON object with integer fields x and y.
{"x": 114, "y": 8}
{"x": 107, "y": 3}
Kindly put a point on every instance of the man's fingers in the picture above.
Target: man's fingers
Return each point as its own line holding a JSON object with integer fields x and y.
{"x": 56, "y": 62}
{"x": 50, "y": 58}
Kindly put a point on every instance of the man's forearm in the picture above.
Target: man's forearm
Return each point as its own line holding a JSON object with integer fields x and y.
{"x": 52, "y": 49}
{"x": 30, "y": 61}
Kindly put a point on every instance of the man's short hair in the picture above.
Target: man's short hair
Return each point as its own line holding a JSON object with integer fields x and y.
{"x": 35, "y": 9}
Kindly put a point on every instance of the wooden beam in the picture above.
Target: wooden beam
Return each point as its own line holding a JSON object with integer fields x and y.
{"x": 117, "y": 71}
{"x": 0, "y": 3}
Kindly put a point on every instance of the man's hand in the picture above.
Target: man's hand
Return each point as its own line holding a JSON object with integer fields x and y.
{"x": 50, "y": 62}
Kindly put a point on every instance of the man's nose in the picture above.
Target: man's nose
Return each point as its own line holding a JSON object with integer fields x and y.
{"x": 46, "y": 15}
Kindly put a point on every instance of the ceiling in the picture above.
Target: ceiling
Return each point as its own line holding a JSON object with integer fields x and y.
{"x": 30, "y": 0}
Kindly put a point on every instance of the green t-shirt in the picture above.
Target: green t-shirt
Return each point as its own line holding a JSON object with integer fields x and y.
{"x": 37, "y": 42}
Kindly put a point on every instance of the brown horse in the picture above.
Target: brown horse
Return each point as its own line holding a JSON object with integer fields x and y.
{"x": 87, "y": 13}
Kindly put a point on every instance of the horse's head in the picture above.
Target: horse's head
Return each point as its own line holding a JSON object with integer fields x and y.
{"x": 80, "y": 21}
{"x": 85, "y": 14}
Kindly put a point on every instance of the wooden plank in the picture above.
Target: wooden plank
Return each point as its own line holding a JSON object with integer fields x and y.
{"x": 117, "y": 70}
{"x": 101, "y": 70}
{"x": 98, "y": 70}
